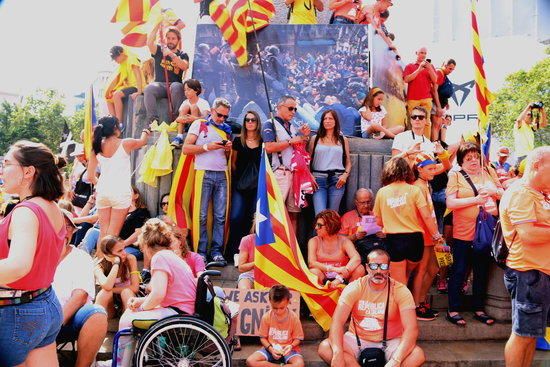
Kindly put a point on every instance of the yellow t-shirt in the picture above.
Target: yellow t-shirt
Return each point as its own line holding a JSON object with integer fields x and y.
{"x": 368, "y": 307}
{"x": 397, "y": 205}
{"x": 303, "y": 12}
{"x": 524, "y": 140}
{"x": 521, "y": 204}
{"x": 126, "y": 76}
{"x": 423, "y": 186}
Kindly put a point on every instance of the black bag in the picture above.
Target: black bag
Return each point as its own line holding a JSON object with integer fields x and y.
{"x": 82, "y": 192}
{"x": 248, "y": 180}
{"x": 499, "y": 249}
{"x": 375, "y": 357}
{"x": 485, "y": 224}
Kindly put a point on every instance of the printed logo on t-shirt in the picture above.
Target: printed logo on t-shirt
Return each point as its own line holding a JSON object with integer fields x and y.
{"x": 169, "y": 65}
{"x": 546, "y": 205}
{"x": 277, "y": 334}
{"x": 370, "y": 324}
{"x": 371, "y": 308}
{"x": 398, "y": 201}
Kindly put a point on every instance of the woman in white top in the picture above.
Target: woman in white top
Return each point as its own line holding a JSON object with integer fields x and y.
{"x": 113, "y": 188}
{"x": 373, "y": 117}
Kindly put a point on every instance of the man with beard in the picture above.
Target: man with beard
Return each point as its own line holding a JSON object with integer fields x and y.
{"x": 170, "y": 64}
{"x": 365, "y": 299}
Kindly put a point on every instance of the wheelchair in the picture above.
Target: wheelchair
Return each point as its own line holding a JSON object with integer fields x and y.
{"x": 184, "y": 340}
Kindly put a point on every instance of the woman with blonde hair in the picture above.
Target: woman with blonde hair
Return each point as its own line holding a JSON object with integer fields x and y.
{"x": 373, "y": 117}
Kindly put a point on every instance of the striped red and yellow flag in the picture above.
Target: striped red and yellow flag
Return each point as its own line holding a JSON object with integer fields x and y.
{"x": 133, "y": 11}
{"x": 483, "y": 94}
{"x": 278, "y": 259}
{"x": 235, "y": 19}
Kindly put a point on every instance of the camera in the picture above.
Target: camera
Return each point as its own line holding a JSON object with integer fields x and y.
{"x": 537, "y": 105}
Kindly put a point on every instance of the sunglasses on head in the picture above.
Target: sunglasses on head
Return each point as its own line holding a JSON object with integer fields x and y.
{"x": 417, "y": 117}
{"x": 225, "y": 117}
{"x": 375, "y": 266}
{"x": 250, "y": 119}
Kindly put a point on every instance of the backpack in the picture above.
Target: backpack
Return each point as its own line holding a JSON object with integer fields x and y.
{"x": 446, "y": 89}
{"x": 499, "y": 249}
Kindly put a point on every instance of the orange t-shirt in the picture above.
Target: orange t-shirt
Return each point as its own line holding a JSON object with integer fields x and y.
{"x": 397, "y": 205}
{"x": 424, "y": 187}
{"x": 282, "y": 332}
{"x": 350, "y": 222}
{"x": 521, "y": 204}
{"x": 464, "y": 219}
{"x": 368, "y": 306}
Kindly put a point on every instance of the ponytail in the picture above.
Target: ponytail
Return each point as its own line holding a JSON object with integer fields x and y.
{"x": 107, "y": 126}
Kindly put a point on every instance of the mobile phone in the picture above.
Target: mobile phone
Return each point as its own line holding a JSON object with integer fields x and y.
{"x": 429, "y": 60}
{"x": 224, "y": 142}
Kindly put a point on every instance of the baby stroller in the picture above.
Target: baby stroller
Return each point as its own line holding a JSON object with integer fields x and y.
{"x": 203, "y": 339}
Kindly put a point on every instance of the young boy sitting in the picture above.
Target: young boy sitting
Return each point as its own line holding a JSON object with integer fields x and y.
{"x": 280, "y": 333}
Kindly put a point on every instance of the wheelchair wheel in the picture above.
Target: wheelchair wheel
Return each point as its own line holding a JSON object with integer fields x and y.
{"x": 182, "y": 341}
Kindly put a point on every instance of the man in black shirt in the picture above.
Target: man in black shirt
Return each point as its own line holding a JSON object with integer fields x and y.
{"x": 170, "y": 64}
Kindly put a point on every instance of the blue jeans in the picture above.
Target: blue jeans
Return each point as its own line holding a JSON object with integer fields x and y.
{"x": 438, "y": 198}
{"x": 214, "y": 189}
{"x": 133, "y": 250}
{"x": 89, "y": 242}
{"x": 28, "y": 326}
{"x": 342, "y": 20}
{"x": 327, "y": 196}
{"x": 70, "y": 331}
{"x": 243, "y": 206}
{"x": 464, "y": 256}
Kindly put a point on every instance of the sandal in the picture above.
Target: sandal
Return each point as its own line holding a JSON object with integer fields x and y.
{"x": 484, "y": 318}
{"x": 456, "y": 319}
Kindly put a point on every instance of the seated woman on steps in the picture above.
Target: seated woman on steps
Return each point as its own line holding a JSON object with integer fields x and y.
{"x": 332, "y": 257}
{"x": 117, "y": 274}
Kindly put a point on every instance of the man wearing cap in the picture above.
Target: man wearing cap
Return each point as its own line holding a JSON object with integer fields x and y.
{"x": 82, "y": 320}
{"x": 501, "y": 166}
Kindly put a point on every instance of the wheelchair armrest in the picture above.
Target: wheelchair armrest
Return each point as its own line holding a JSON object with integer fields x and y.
{"x": 214, "y": 264}
{"x": 210, "y": 273}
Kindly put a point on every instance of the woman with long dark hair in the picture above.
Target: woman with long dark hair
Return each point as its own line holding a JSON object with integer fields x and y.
{"x": 114, "y": 190}
{"x": 245, "y": 164}
{"x": 330, "y": 163}
{"x": 31, "y": 240}
{"x": 373, "y": 117}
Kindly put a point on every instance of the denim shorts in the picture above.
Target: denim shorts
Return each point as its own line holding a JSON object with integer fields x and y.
{"x": 530, "y": 301}
{"x": 269, "y": 357}
{"x": 70, "y": 331}
{"x": 28, "y": 326}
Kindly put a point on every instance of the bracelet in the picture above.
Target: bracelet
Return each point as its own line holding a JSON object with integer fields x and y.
{"x": 340, "y": 278}
{"x": 205, "y": 147}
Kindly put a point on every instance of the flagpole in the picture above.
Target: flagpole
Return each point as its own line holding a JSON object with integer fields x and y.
{"x": 271, "y": 116}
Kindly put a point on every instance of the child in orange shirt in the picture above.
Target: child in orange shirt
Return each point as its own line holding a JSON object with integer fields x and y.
{"x": 280, "y": 333}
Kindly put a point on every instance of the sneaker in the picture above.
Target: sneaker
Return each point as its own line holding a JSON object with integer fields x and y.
{"x": 108, "y": 363}
{"x": 429, "y": 308}
{"x": 423, "y": 314}
{"x": 145, "y": 276}
{"x": 220, "y": 259}
{"x": 177, "y": 142}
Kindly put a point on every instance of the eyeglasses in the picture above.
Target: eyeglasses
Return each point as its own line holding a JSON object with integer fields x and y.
{"x": 163, "y": 203}
{"x": 417, "y": 117}
{"x": 319, "y": 225}
{"x": 253, "y": 119}
{"x": 225, "y": 117}
{"x": 367, "y": 202}
{"x": 376, "y": 266}
{"x": 291, "y": 109}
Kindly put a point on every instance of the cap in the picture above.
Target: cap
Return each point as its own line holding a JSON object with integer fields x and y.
{"x": 69, "y": 217}
{"x": 424, "y": 159}
{"x": 503, "y": 152}
{"x": 78, "y": 150}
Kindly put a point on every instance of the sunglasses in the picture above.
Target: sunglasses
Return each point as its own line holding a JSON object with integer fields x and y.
{"x": 319, "y": 225}
{"x": 253, "y": 119}
{"x": 291, "y": 109}
{"x": 225, "y": 117}
{"x": 375, "y": 266}
{"x": 417, "y": 117}
{"x": 164, "y": 203}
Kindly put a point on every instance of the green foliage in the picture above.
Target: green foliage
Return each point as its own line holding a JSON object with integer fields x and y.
{"x": 520, "y": 89}
{"x": 39, "y": 118}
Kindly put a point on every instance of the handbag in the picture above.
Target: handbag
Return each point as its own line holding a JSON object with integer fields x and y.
{"x": 248, "y": 180}
{"x": 485, "y": 225}
{"x": 375, "y": 357}
{"x": 499, "y": 248}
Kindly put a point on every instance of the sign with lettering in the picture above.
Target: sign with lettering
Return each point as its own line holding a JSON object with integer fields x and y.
{"x": 253, "y": 304}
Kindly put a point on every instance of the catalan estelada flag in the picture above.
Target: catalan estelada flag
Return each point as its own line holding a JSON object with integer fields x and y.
{"x": 90, "y": 120}
{"x": 278, "y": 259}
{"x": 483, "y": 94}
{"x": 235, "y": 19}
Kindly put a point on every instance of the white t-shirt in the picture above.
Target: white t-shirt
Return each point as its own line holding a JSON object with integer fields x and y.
{"x": 213, "y": 160}
{"x": 377, "y": 117}
{"x": 403, "y": 141}
{"x": 75, "y": 271}
{"x": 202, "y": 104}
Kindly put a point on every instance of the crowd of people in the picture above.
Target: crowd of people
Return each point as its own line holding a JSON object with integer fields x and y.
{"x": 382, "y": 254}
